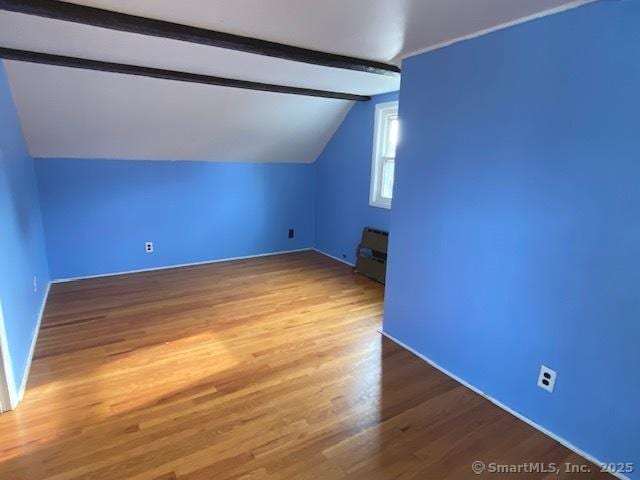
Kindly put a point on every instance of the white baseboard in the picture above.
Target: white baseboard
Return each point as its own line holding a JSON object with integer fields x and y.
{"x": 8, "y": 395}
{"x": 519, "y": 416}
{"x": 335, "y": 258}
{"x": 34, "y": 340}
{"x": 180, "y": 265}
{"x": 11, "y": 401}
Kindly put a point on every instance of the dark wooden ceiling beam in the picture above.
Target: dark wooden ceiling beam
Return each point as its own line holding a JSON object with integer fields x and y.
{"x": 73, "y": 62}
{"x": 158, "y": 28}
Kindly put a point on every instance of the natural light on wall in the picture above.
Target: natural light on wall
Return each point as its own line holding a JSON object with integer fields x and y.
{"x": 385, "y": 140}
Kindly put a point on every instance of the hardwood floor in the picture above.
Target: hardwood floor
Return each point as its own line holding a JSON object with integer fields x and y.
{"x": 268, "y": 368}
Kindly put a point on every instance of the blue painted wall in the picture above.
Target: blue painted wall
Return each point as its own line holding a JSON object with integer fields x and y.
{"x": 99, "y": 213}
{"x": 343, "y": 174}
{"x": 516, "y": 220}
{"x": 22, "y": 252}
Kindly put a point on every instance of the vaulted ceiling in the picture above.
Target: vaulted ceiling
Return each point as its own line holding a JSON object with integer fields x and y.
{"x": 70, "y": 112}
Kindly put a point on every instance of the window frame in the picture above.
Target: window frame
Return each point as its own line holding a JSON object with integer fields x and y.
{"x": 385, "y": 113}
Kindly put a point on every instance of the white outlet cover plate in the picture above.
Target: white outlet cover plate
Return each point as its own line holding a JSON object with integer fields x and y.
{"x": 549, "y": 375}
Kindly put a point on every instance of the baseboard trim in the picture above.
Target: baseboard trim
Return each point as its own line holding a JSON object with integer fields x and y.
{"x": 501, "y": 405}
{"x": 180, "y": 265}
{"x": 8, "y": 396}
{"x": 34, "y": 340}
{"x": 341, "y": 260}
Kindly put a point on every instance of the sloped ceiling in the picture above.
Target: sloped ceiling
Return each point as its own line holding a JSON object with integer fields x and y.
{"x": 67, "y": 112}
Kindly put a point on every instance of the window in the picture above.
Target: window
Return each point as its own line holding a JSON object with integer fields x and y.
{"x": 385, "y": 139}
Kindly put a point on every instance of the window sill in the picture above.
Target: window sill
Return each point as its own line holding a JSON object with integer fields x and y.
{"x": 378, "y": 204}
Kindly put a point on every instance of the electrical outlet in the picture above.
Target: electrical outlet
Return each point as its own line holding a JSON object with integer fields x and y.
{"x": 35, "y": 284}
{"x": 291, "y": 233}
{"x": 148, "y": 247}
{"x": 547, "y": 378}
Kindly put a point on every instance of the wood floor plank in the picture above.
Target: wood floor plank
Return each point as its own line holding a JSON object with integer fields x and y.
{"x": 269, "y": 368}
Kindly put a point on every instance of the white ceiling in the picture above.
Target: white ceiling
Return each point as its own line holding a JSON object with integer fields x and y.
{"x": 72, "y": 113}
{"x": 382, "y": 30}
{"x": 64, "y": 38}
{"x": 87, "y": 114}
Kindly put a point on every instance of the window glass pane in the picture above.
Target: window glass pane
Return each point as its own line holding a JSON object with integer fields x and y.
{"x": 386, "y": 185}
{"x": 392, "y": 137}
{"x": 386, "y": 137}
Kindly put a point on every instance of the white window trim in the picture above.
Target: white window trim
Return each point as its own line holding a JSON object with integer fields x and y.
{"x": 383, "y": 110}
